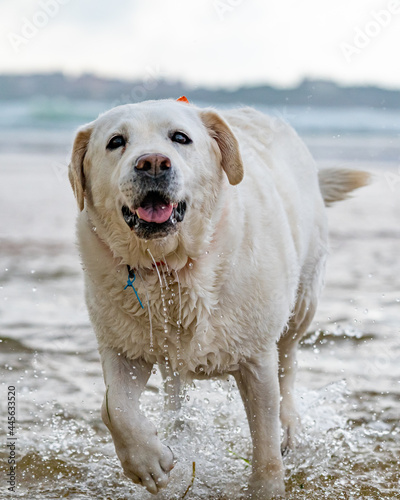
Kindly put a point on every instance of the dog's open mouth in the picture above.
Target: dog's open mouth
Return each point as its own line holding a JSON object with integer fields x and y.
{"x": 155, "y": 217}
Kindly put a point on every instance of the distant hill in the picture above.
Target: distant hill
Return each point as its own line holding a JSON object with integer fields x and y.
{"x": 308, "y": 93}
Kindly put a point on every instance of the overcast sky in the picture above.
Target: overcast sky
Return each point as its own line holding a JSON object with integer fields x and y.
{"x": 205, "y": 42}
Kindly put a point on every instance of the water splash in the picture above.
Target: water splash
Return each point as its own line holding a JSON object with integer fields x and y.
{"x": 179, "y": 323}
{"x": 165, "y": 315}
{"x": 164, "y": 276}
{"x": 149, "y": 310}
{"x": 67, "y": 452}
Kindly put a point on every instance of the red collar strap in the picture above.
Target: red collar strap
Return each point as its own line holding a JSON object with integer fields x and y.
{"x": 158, "y": 264}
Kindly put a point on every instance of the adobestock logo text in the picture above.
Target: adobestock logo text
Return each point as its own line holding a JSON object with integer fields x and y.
{"x": 362, "y": 37}
{"x": 48, "y": 9}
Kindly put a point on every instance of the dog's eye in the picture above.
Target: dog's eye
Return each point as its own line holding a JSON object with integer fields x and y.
{"x": 181, "y": 138}
{"x": 116, "y": 142}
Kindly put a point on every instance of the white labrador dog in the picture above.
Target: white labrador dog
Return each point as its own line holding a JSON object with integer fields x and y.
{"x": 203, "y": 238}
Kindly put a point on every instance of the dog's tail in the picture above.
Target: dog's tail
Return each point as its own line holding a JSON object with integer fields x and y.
{"x": 336, "y": 183}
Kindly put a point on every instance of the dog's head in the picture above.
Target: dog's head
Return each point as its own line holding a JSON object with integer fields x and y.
{"x": 154, "y": 168}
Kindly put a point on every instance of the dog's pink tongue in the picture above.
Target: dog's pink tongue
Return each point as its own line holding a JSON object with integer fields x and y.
{"x": 157, "y": 213}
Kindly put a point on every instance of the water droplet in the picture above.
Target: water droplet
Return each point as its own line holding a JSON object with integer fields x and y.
{"x": 191, "y": 265}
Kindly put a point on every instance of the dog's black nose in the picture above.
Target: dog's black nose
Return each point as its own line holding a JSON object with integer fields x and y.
{"x": 153, "y": 165}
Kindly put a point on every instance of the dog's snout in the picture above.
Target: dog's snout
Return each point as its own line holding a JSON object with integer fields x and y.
{"x": 153, "y": 165}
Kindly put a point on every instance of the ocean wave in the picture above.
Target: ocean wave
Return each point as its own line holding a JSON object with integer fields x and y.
{"x": 41, "y": 113}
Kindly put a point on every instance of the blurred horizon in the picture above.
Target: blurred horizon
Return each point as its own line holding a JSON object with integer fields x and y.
{"x": 299, "y": 82}
{"x": 307, "y": 93}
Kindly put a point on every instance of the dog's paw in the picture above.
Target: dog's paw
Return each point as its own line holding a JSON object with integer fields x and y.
{"x": 266, "y": 489}
{"x": 267, "y": 483}
{"x": 148, "y": 465}
{"x": 291, "y": 424}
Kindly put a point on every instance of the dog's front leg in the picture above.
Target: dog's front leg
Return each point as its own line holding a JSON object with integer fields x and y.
{"x": 143, "y": 457}
{"x": 258, "y": 383}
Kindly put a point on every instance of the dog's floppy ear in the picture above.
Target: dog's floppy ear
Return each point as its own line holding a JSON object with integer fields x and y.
{"x": 231, "y": 161}
{"x": 75, "y": 168}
